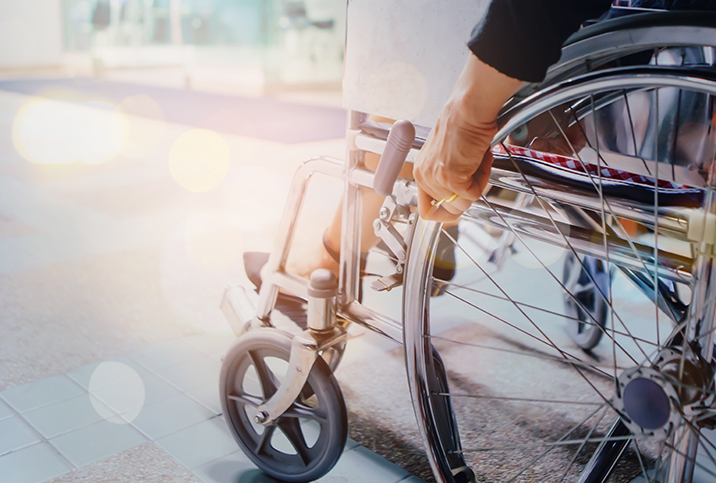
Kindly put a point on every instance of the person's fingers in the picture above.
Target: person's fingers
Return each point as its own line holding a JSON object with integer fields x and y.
{"x": 457, "y": 206}
{"x": 425, "y": 203}
{"x": 447, "y": 211}
{"x": 481, "y": 177}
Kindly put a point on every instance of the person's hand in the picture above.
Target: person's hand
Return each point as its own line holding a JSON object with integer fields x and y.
{"x": 453, "y": 167}
{"x": 455, "y": 160}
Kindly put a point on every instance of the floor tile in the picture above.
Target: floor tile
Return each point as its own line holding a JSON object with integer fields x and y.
{"x": 122, "y": 400}
{"x": 5, "y": 411}
{"x": 164, "y": 355}
{"x": 41, "y": 393}
{"x": 66, "y": 416}
{"x": 200, "y": 444}
{"x": 83, "y": 375}
{"x": 170, "y": 415}
{"x": 351, "y": 444}
{"x": 22, "y": 466}
{"x": 232, "y": 468}
{"x": 97, "y": 441}
{"x": 155, "y": 389}
{"x": 214, "y": 344}
{"x": 361, "y": 465}
{"x": 15, "y": 434}
{"x": 412, "y": 479}
{"x": 195, "y": 372}
{"x": 208, "y": 395}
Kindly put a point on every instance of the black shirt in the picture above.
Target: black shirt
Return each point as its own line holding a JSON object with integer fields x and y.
{"x": 522, "y": 38}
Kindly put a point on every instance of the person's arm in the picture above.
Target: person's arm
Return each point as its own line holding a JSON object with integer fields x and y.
{"x": 516, "y": 42}
{"x": 455, "y": 158}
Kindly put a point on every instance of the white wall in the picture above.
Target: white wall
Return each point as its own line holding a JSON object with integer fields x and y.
{"x": 30, "y": 33}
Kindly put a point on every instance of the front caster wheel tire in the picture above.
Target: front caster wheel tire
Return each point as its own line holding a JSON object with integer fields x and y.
{"x": 307, "y": 440}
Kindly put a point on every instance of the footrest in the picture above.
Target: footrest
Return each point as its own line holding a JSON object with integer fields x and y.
{"x": 239, "y": 307}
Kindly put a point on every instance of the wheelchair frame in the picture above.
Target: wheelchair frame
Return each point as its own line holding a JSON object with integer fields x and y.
{"x": 581, "y": 232}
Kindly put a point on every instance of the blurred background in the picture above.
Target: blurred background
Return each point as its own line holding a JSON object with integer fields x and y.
{"x": 230, "y": 46}
{"x": 144, "y": 146}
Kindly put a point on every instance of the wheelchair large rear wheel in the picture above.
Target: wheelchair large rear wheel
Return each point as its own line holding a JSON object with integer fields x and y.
{"x": 620, "y": 165}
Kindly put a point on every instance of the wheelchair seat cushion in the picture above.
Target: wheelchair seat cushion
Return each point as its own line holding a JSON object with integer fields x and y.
{"x": 576, "y": 174}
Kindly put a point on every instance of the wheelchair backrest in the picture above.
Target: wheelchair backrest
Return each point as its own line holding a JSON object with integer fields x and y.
{"x": 403, "y": 56}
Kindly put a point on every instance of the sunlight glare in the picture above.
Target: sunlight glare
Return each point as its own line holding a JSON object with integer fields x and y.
{"x": 199, "y": 160}
{"x": 47, "y": 131}
{"x": 146, "y": 126}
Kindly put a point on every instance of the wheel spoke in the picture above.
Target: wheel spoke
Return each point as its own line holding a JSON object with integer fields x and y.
{"x": 572, "y": 360}
{"x": 536, "y": 354}
{"x": 563, "y": 438}
{"x": 292, "y": 429}
{"x": 600, "y": 238}
{"x": 520, "y": 399}
{"x": 267, "y": 379}
{"x": 581, "y": 447}
{"x": 690, "y": 458}
{"x": 540, "y": 309}
{"x": 568, "y": 244}
{"x": 247, "y": 399}
{"x": 638, "y": 455}
{"x": 606, "y": 244}
{"x": 265, "y": 439}
{"x": 572, "y": 442}
{"x": 305, "y": 412}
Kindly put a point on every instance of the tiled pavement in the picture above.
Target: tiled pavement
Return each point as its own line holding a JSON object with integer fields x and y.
{"x": 116, "y": 262}
{"x": 75, "y": 421}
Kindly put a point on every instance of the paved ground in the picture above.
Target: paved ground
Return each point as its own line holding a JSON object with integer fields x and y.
{"x": 111, "y": 274}
{"x": 115, "y": 267}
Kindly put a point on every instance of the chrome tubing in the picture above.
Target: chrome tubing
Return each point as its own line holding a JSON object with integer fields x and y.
{"x": 287, "y": 228}
{"x": 585, "y": 241}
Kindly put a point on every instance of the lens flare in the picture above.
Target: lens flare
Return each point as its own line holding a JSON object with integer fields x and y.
{"x": 116, "y": 389}
{"x": 258, "y": 193}
{"x": 212, "y": 241}
{"x": 146, "y": 126}
{"x": 199, "y": 160}
{"x": 47, "y": 131}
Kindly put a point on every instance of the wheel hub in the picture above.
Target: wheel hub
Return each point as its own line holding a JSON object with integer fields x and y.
{"x": 653, "y": 399}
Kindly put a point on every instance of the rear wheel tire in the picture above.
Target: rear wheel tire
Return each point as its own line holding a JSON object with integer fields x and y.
{"x": 526, "y": 404}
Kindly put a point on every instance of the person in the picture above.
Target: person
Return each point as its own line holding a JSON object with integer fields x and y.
{"x": 516, "y": 42}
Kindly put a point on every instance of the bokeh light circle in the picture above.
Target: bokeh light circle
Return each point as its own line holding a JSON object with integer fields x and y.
{"x": 146, "y": 126}
{"x": 116, "y": 389}
{"x": 47, "y": 131}
{"x": 199, "y": 160}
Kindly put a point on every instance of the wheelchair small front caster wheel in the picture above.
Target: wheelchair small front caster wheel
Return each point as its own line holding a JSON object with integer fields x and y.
{"x": 307, "y": 440}
{"x": 588, "y": 313}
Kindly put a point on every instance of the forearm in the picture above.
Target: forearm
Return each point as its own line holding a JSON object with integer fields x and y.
{"x": 480, "y": 93}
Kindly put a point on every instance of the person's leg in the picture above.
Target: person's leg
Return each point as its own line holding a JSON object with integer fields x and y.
{"x": 319, "y": 256}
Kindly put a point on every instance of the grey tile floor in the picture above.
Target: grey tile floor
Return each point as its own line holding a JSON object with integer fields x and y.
{"x": 164, "y": 395}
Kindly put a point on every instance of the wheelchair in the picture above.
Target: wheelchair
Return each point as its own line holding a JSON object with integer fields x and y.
{"x": 593, "y": 364}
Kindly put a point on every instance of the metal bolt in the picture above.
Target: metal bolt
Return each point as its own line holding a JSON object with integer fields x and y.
{"x": 261, "y": 417}
{"x": 384, "y": 213}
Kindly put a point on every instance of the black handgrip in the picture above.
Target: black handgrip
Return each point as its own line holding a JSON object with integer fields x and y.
{"x": 400, "y": 140}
